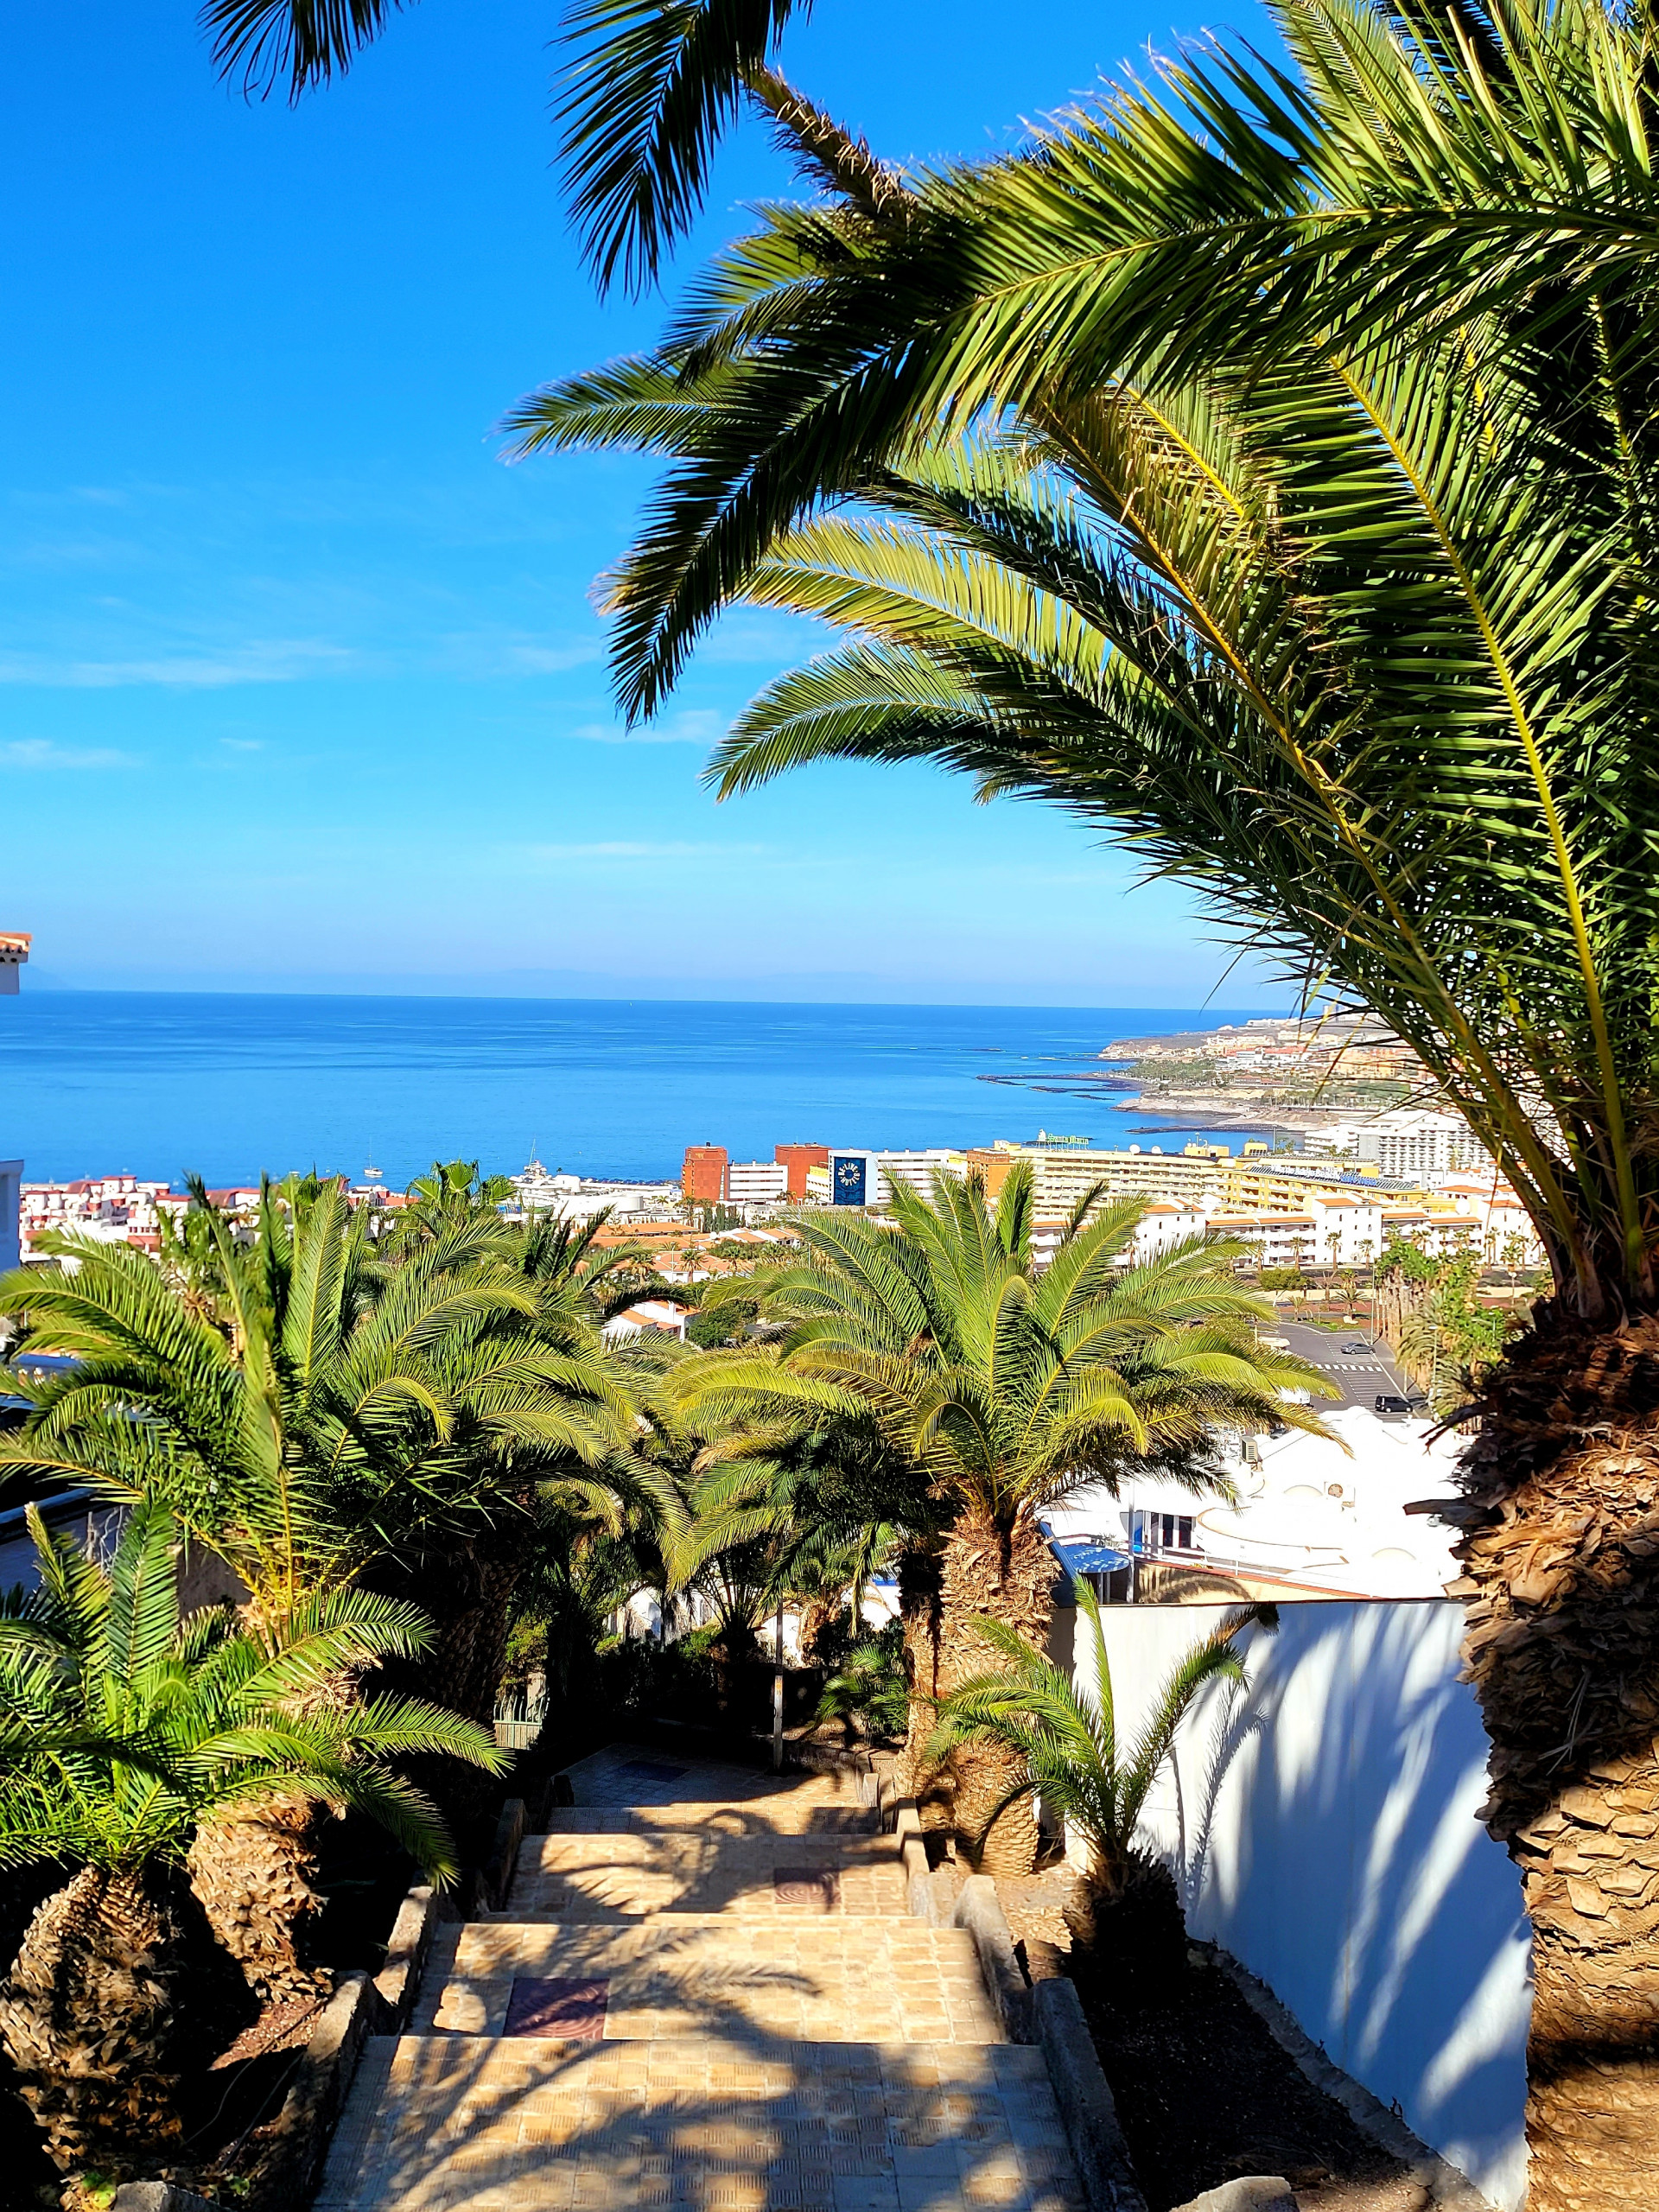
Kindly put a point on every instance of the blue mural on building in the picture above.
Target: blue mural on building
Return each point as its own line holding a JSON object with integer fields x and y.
{"x": 847, "y": 1179}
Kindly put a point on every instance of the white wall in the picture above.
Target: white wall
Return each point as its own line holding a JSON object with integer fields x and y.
{"x": 1321, "y": 1825}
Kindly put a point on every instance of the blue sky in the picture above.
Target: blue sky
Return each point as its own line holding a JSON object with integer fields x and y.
{"x": 302, "y": 688}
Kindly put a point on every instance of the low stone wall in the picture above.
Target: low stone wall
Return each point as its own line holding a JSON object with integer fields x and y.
{"x": 398, "y": 1981}
{"x": 291, "y": 2149}
{"x": 1084, "y": 2097}
{"x": 978, "y": 1910}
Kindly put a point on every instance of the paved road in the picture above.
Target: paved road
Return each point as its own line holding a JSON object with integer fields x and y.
{"x": 1361, "y": 1375}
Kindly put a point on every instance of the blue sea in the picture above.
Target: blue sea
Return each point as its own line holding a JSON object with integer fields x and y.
{"x": 157, "y": 1084}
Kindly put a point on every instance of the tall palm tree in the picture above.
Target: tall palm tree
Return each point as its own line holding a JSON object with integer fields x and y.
{"x": 997, "y": 1392}
{"x": 1261, "y": 464}
{"x": 329, "y": 1415}
{"x": 123, "y": 1729}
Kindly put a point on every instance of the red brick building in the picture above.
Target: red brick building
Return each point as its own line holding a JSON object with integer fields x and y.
{"x": 702, "y": 1177}
{"x": 797, "y": 1158}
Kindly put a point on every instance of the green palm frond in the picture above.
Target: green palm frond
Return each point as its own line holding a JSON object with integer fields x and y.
{"x": 649, "y": 89}
{"x": 297, "y": 43}
{"x": 328, "y": 1402}
{"x": 122, "y": 1726}
{"x": 1004, "y": 1390}
{"x": 1255, "y": 465}
{"x": 1062, "y": 1726}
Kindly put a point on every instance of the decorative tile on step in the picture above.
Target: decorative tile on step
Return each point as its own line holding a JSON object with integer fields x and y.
{"x": 798, "y": 1975}
{"x": 571, "y": 2011}
{"x": 818, "y": 1887}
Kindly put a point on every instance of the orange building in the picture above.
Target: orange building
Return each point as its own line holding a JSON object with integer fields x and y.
{"x": 797, "y": 1158}
{"x": 992, "y": 1168}
{"x": 702, "y": 1177}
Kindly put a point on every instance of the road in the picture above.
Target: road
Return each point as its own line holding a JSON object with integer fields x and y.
{"x": 1361, "y": 1375}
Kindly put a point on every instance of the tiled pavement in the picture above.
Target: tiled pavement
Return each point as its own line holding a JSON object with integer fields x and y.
{"x": 620, "y": 1876}
{"x": 729, "y": 2011}
{"x": 823, "y": 1979}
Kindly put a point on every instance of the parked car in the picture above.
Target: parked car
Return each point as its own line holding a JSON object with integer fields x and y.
{"x": 1388, "y": 1403}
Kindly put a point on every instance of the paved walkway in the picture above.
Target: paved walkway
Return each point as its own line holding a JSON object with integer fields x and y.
{"x": 704, "y": 1992}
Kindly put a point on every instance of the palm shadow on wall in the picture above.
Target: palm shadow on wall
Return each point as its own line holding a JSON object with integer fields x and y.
{"x": 1360, "y": 1885}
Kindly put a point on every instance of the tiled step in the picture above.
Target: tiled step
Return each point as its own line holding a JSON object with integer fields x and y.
{"x": 820, "y": 1977}
{"x": 626, "y": 1778}
{"x": 626, "y": 1874}
{"x": 779, "y": 1816}
{"x": 723, "y": 2124}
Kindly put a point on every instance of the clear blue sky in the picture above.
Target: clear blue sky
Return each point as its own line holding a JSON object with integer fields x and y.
{"x": 302, "y": 687}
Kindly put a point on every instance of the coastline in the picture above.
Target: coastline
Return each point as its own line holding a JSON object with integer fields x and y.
{"x": 1212, "y": 1114}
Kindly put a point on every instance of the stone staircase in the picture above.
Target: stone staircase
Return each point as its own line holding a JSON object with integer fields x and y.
{"x": 704, "y": 1992}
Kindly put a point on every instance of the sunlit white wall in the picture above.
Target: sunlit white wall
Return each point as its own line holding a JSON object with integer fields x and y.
{"x": 1321, "y": 1824}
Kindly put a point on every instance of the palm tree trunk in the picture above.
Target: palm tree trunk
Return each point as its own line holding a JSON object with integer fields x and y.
{"x": 817, "y": 1615}
{"x": 466, "y": 1593}
{"x": 255, "y": 1878}
{"x": 1008, "y": 1571}
{"x": 1561, "y": 1555}
{"x": 94, "y": 2017}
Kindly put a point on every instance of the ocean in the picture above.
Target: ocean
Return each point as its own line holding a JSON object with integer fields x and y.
{"x": 157, "y": 1084}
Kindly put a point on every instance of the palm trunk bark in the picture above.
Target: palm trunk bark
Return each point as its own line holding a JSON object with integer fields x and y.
{"x": 467, "y": 1593}
{"x": 95, "y": 2018}
{"x": 918, "y": 1611}
{"x": 255, "y": 1880}
{"x": 1561, "y": 1556}
{"x": 1006, "y": 1571}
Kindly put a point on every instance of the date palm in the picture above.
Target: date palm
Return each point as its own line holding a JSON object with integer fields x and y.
{"x": 1261, "y": 466}
{"x": 997, "y": 1392}
{"x": 327, "y": 1416}
{"x": 1061, "y": 1727}
{"x": 125, "y": 1729}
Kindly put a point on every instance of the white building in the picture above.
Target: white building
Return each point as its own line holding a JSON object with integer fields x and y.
{"x": 1409, "y": 1145}
{"x": 757, "y": 1182}
{"x": 658, "y": 1313}
{"x": 921, "y": 1170}
{"x": 11, "y": 1183}
{"x": 14, "y": 952}
{"x": 854, "y": 1175}
{"x": 574, "y": 1197}
{"x": 1313, "y": 1517}
{"x": 108, "y": 1209}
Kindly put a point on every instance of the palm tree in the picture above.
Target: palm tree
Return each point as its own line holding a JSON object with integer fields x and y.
{"x": 1062, "y": 1735}
{"x": 329, "y": 1417}
{"x": 123, "y": 1729}
{"x": 869, "y": 1687}
{"x": 452, "y": 1194}
{"x": 996, "y": 1392}
{"x": 1259, "y": 465}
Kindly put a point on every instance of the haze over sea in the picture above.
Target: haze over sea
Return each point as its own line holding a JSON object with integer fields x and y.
{"x": 154, "y": 1084}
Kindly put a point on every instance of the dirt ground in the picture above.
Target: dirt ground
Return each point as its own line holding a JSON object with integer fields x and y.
{"x": 1204, "y": 2092}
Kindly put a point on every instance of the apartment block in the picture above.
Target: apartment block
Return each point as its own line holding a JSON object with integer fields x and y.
{"x": 757, "y": 1182}
{"x": 795, "y": 1159}
{"x": 702, "y": 1175}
